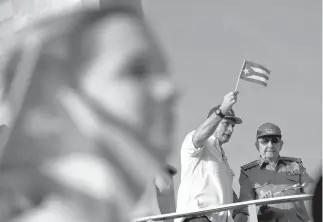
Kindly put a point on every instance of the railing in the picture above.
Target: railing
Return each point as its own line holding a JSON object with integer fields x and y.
{"x": 250, "y": 204}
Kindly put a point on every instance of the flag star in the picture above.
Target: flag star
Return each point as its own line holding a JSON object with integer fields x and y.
{"x": 246, "y": 71}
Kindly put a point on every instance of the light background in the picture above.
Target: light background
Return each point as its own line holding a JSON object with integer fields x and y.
{"x": 207, "y": 41}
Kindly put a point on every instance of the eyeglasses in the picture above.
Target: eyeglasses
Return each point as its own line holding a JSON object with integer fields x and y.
{"x": 266, "y": 140}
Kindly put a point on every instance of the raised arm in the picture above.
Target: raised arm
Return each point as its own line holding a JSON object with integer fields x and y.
{"x": 208, "y": 126}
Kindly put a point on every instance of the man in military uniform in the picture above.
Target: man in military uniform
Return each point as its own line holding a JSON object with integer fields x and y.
{"x": 273, "y": 176}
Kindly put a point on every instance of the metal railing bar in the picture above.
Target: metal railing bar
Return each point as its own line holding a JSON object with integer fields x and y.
{"x": 232, "y": 206}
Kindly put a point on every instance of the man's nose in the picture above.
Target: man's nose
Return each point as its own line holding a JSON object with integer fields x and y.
{"x": 269, "y": 144}
{"x": 230, "y": 128}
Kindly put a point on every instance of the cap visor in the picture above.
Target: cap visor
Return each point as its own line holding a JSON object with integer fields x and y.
{"x": 236, "y": 119}
{"x": 269, "y": 134}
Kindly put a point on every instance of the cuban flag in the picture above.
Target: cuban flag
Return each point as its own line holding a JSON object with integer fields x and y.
{"x": 254, "y": 72}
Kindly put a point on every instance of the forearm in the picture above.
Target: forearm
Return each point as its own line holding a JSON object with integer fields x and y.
{"x": 205, "y": 130}
{"x": 243, "y": 211}
{"x": 241, "y": 217}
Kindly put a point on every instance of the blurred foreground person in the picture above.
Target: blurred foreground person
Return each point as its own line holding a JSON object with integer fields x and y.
{"x": 92, "y": 118}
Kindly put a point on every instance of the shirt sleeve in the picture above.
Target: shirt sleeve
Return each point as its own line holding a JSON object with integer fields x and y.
{"x": 188, "y": 146}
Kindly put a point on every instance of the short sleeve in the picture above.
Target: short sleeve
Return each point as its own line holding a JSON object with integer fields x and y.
{"x": 188, "y": 146}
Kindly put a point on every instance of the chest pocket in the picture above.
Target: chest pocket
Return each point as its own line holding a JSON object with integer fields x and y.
{"x": 293, "y": 179}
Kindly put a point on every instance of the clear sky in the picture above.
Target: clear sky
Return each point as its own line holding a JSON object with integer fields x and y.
{"x": 206, "y": 42}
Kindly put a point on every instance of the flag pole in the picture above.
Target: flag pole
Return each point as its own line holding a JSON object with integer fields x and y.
{"x": 235, "y": 89}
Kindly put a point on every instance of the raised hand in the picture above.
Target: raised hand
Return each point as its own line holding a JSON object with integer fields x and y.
{"x": 228, "y": 101}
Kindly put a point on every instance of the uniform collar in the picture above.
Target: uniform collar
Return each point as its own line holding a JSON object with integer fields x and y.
{"x": 263, "y": 162}
{"x": 216, "y": 142}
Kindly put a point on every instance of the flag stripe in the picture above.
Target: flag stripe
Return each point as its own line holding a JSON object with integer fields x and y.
{"x": 259, "y": 70}
{"x": 257, "y": 74}
{"x": 256, "y": 81}
{"x": 257, "y": 78}
{"x": 260, "y": 81}
{"x": 252, "y": 64}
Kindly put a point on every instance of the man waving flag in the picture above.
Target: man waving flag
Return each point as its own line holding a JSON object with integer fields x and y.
{"x": 254, "y": 72}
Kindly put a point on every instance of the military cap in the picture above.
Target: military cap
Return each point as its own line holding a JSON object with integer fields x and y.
{"x": 268, "y": 129}
{"x": 229, "y": 115}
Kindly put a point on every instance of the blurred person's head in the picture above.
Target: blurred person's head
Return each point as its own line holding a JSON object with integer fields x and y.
{"x": 95, "y": 77}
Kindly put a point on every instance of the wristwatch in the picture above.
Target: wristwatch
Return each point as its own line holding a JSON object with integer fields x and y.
{"x": 219, "y": 113}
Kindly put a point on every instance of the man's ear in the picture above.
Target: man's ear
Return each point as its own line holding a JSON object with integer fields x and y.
{"x": 281, "y": 144}
{"x": 256, "y": 144}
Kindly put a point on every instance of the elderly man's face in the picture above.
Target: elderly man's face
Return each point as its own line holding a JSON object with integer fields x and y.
{"x": 128, "y": 76}
{"x": 269, "y": 147}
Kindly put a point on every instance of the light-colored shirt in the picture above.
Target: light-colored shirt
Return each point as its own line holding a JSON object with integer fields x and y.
{"x": 206, "y": 179}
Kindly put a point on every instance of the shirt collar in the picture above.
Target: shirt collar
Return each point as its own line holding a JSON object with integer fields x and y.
{"x": 263, "y": 162}
{"x": 216, "y": 142}
{"x": 281, "y": 160}
{"x": 218, "y": 146}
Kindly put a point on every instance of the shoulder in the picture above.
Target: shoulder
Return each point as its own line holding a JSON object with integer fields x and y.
{"x": 188, "y": 145}
{"x": 250, "y": 165}
{"x": 248, "y": 170}
{"x": 189, "y": 136}
{"x": 292, "y": 159}
{"x": 295, "y": 165}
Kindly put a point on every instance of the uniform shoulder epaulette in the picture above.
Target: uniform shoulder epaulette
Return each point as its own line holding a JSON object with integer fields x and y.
{"x": 250, "y": 165}
{"x": 291, "y": 159}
